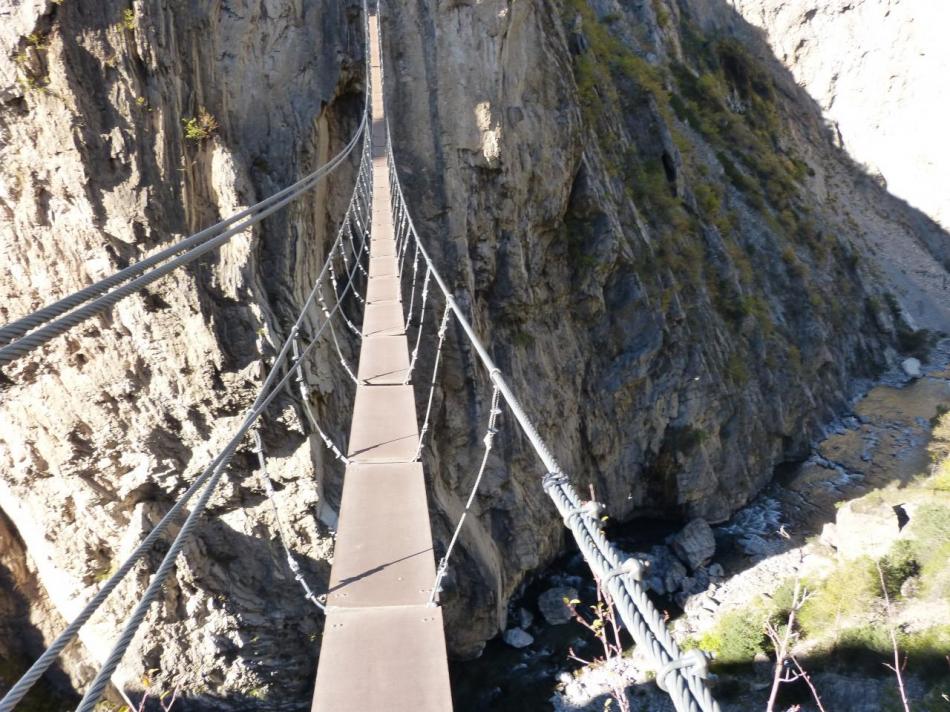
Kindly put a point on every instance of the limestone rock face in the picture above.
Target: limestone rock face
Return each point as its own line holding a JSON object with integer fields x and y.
{"x": 102, "y": 429}
{"x": 662, "y": 246}
{"x": 878, "y": 69}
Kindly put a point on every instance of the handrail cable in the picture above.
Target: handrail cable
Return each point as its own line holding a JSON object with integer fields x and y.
{"x": 646, "y": 625}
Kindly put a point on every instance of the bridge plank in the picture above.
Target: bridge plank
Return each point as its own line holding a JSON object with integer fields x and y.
{"x": 384, "y": 360}
{"x": 383, "y": 648}
{"x": 384, "y": 319}
{"x": 383, "y": 289}
{"x": 383, "y": 553}
{"x": 384, "y": 427}
{"x": 383, "y": 246}
{"x": 383, "y": 659}
{"x": 382, "y": 267}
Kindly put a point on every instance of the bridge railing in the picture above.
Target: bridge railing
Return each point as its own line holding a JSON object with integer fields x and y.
{"x": 682, "y": 676}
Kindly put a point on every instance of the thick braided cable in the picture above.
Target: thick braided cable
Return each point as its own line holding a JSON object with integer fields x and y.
{"x": 635, "y": 611}
{"x": 269, "y": 390}
{"x": 217, "y": 466}
{"x": 268, "y": 486}
{"x": 640, "y": 617}
{"x": 42, "y": 335}
{"x": 49, "y": 656}
{"x": 489, "y": 439}
{"x": 25, "y": 324}
{"x": 94, "y": 693}
{"x": 435, "y": 374}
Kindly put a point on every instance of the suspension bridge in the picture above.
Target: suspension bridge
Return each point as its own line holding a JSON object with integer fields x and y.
{"x": 383, "y": 645}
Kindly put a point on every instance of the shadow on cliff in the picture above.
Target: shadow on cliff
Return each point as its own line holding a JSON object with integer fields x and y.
{"x": 848, "y": 675}
{"x": 20, "y": 641}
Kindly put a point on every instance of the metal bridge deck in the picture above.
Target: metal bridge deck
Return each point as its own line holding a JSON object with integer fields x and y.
{"x": 383, "y": 648}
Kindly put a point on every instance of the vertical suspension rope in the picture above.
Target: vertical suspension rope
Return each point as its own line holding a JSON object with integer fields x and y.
{"x": 488, "y": 440}
{"x": 304, "y": 386}
{"x": 412, "y": 289}
{"x": 336, "y": 343}
{"x": 422, "y": 316}
{"x": 435, "y": 372}
{"x": 268, "y": 486}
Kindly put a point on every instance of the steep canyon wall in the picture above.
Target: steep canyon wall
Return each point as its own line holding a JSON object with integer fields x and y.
{"x": 646, "y": 217}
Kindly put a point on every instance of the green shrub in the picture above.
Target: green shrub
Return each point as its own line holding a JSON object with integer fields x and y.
{"x": 898, "y": 565}
{"x": 846, "y": 593}
{"x": 709, "y": 199}
{"x": 737, "y": 638}
{"x": 926, "y": 649}
{"x": 736, "y": 369}
{"x": 200, "y": 127}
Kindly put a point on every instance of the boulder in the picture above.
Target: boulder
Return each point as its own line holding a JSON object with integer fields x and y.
{"x": 829, "y": 535}
{"x": 525, "y": 618}
{"x": 753, "y": 545}
{"x": 674, "y": 576}
{"x": 694, "y": 544}
{"x": 517, "y": 638}
{"x": 665, "y": 571}
{"x": 911, "y": 367}
{"x": 553, "y": 607}
{"x": 866, "y": 529}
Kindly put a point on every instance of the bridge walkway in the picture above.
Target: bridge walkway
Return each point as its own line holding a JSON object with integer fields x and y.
{"x": 383, "y": 647}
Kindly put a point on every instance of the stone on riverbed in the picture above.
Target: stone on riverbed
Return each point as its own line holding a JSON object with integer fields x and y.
{"x": 552, "y": 604}
{"x": 517, "y": 638}
{"x": 694, "y": 544}
{"x": 911, "y": 367}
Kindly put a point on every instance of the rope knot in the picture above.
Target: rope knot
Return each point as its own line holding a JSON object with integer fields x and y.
{"x": 553, "y": 479}
{"x": 693, "y": 663}
{"x": 590, "y": 509}
{"x": 633, "y": 567}
{"x": 258, "y": 446}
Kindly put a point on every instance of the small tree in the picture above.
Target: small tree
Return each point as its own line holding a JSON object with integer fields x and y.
{"x": 787, "y": 667}
{"x": 603, "y": 624}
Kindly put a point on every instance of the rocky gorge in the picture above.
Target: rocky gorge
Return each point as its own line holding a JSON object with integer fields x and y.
{"x": 681, "y": 272}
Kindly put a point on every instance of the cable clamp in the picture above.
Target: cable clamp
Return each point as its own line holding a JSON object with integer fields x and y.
{"x": 633, "y": 567}
{"x": 258, "y": 447}
{"x": 593, "y": 510}
{"x": 693, "y": 663}
{"x": 553, "y": 479}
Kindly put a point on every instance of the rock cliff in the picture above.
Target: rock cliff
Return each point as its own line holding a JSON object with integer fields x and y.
{"x": 103, "y": 428}
{"x": 646, "y": 217}
{"x": 877, "y": 70}
{"x": 667, "y": 252}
